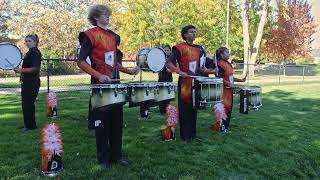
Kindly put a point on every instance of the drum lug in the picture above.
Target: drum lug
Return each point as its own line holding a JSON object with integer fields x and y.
{"x": 115, "y": 92}
{"x": 100, "y": 91}
{"x": 132, "y": 91}
{"x": 193, "y": 98}
{"x": 147, "y": 91}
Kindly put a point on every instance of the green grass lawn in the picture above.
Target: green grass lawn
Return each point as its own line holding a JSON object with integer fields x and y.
{"x": 280, "y": 141}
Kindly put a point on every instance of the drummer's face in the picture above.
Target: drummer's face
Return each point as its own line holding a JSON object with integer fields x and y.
{"x": 191, "y": 34}
{"x": 226, "y": 55}
{"x": 167, "y": 51}
{"x": 103, "y": 19}
{"x": 30, "y": 43}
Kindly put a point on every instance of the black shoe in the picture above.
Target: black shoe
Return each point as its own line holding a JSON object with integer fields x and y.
{"x": 122, "y": 162}
{"x": 27, "y": 129}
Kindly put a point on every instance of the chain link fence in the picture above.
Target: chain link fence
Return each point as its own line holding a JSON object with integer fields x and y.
{"x": 64, "y": 75}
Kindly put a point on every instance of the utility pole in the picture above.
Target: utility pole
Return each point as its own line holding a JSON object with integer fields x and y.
{"x": 228, "y": 19}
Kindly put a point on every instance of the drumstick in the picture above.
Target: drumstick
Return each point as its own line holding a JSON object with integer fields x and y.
{"x": 193, "y": 76}
{"x": 124, "y": 79}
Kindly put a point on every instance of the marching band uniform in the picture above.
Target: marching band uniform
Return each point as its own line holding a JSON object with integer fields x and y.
{"x": 101, "y": 46}
{"x": 188, "y": 59}
{"x": 30, "y": 86}
{"x": 226, "y": 72}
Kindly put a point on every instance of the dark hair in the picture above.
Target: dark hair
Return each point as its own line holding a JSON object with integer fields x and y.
{"x": 34, "y": 37}
{"x": 166, "y": 46}
{"x": 96, "y": 10}
{"x": 185, "y": 29}
{"x": 220, "y": 51}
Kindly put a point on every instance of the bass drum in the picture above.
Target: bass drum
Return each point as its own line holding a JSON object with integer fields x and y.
{"x": 151, "y": 59}
{"x": 10, "y": 56}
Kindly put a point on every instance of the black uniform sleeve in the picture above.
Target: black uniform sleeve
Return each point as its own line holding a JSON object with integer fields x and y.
{"x": 86, "y": 47}
{"x": 174, "y": 56}
{"x": 210, "y": 63}
{"x": 35, "y": 58}
{"x": 221, "y": 72}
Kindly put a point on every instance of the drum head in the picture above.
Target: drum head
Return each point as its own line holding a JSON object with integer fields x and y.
{"x": 156, "y": 59}
{"x": 10, "y": 56}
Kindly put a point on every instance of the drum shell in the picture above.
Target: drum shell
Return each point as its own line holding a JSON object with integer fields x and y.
{"x": 165, "y": 91}
{"x": 140, "y": 93}
{"x": 208, "y": 91}
{"x": 108, "y": 95}
{"x": 254, "y": 96}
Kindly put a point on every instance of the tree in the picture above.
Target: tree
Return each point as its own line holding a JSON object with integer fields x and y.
{"x": 292, "y": 36}
{"x": 57, "y": 30}
{"x": 250, "y": 54}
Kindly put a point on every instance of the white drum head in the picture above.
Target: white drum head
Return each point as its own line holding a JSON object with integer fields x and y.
{"x": 156, "y": 59}
{"x": 10, "y": 56}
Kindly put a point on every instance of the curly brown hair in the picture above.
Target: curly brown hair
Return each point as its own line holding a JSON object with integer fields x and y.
{"x": 96, "y": 10}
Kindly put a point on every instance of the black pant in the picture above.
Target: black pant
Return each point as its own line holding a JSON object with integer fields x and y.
{"x": 29, "y": 93}
{"x": 90, "y": 120}
{"x": 164, "y": 76}
{"x": 187, "y": 118}
{"x": 108, "y": 130}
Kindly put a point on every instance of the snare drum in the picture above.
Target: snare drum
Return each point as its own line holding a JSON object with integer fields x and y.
{"x": 207, "y": 91}
{"x": 141, "y": 92}
{"x": 108, "y": 95}
{"x": 165, "y": 91}
{"x": 254, "y": 96}
{"x": 10, "y": 56}
{"x": 151, "y": 59}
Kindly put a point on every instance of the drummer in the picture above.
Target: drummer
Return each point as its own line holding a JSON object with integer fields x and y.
{"x": 30, "y": 81}
{"x": 115, "y": 74}
{"x": 165, "y": 76}
{"x": 100, "y": 45}
{"x": 226, "y": 72}
{"x": 187, "y": 55}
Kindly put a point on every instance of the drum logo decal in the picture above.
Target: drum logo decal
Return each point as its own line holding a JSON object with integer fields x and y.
{"x": 97, "y": 123}
{"x": 109, "y": 58}
{"x": 104, "y": 40}
{"x": 192, "y": 66}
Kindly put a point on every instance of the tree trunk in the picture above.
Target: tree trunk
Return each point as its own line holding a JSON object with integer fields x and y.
{"x": 250, "y": 55}
{"x": 256, "y": 45}
{"x": 245, "y": 32}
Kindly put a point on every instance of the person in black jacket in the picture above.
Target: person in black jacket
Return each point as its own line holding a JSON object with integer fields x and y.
{"x": 30, "y": 81}
{"x": 165, "y": 76}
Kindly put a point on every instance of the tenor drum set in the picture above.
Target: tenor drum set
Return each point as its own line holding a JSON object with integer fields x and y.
{"x": 206, "y": 91}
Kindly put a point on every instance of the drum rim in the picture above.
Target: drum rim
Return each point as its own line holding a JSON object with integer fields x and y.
{"x": 97, "y": 86}
{"x": 209, "y": 79}
{"x": 167, "y": 83}
{"x": 140, "y": 84}
{"x": 21, "y": 56}
{"x": 253, "y": 88}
